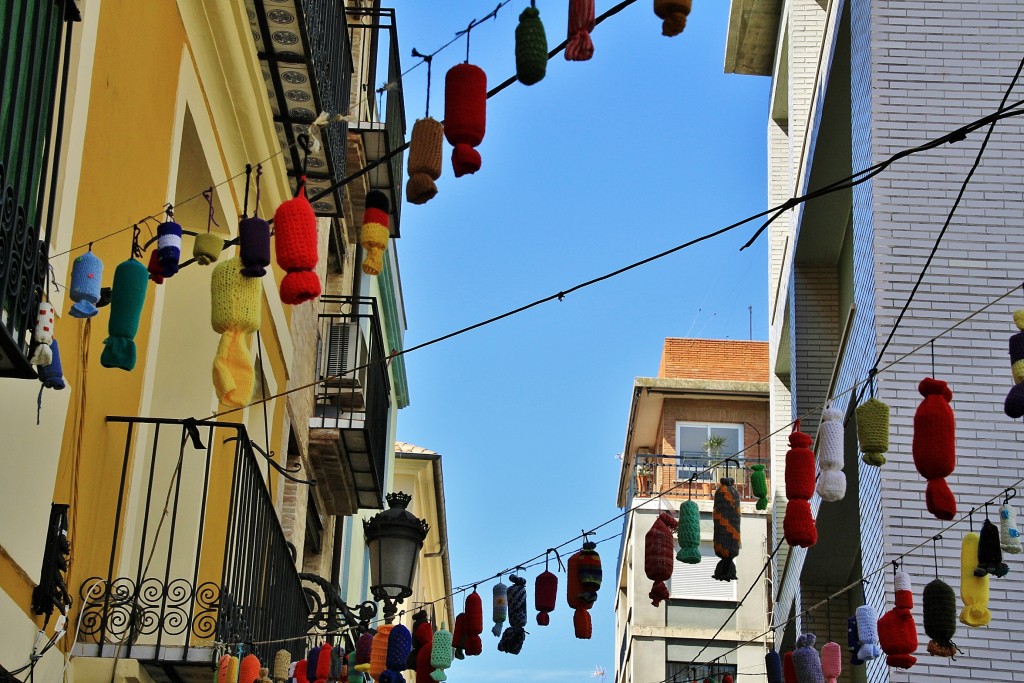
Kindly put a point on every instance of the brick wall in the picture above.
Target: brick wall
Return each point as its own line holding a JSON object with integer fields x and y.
{"x": 742, "y": 361}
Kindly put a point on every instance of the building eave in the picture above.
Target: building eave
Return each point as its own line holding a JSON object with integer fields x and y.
{"x": 753, "y": 36}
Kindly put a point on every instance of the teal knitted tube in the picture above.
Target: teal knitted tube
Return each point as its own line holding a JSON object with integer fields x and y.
{"x": 127, "y": 298}
{"x": 688, "y": 533}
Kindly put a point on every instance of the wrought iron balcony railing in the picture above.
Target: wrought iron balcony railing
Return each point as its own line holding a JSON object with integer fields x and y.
{"x": 34, "y": 60}
{"x": 691, "y": 473}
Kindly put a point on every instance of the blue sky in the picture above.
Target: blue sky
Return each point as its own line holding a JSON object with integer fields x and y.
{"x": 600, "y": 164}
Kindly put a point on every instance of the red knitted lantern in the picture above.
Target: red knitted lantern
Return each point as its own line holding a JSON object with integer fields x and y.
{"x": 459, "y": 636}
{"x": 249, "y": 669}
{"x": 474, "y": 625}
{"x": 423, "y": 637}
{"x": 579, "y": 47}
{"x": 156, "y": 271}
{"x": 659, "y": 554}
{"x": 545, "y": 596}
{"x": 465, "y": 115}
{"x": 897, "y": 632}
{"x": 300, "y": 672}
{"x": 323, "y": 663}
{"x": 582, "y": 581}
{"x": 934, "y": 446}
{"x": 296, "y": 246}
{"x": 798, "y": 525}
{"x": 789, "y": 668}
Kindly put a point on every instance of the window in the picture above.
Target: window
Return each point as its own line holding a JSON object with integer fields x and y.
{"x": 695, "y": 582}
{"x": 690, "y": 671}
{"x": 700, "y": 444}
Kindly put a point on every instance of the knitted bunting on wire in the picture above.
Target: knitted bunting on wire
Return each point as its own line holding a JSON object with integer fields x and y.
{"x": 254, "y": 246}
{"x": 531, "y": 47}
{"x": 282, "y": 661}
{"x": 514, "y": 636}
{"x": 465, "y": 115}
{"x": 399, "y": 647}
{"x": 458, "y": 637}
{"x": 673, "y": 13}
{"x": 990, "y": 554}
{"x": 789, "y": 668}
{"x": 355, "y": 675}
{"x": 579, "y": 47}
{"x": 726, "y": 519}
{"x": 156, "y": 273}
{"x": 364, "y": 647}
{"x": 235, "y": 314}
{"x": 832, "y": 482}
{"x": 249, "y": 669}
{"x": 853, "y": 640}
{"x": 583, "y": 578}
{"x": 759, "y": 485}
{"x": 867, "y": 634}
{"x": 545, "y": 596}
{"x": 499, "y": 606}
{"x": 474, "y": 624}
{"x": 441, "y": 653}
{"x": 798, "y": 525}
{"x": 207, "y": 247}
{"x": 297, "y": 245}
{"x": 127, "y": 298}
{"x": 42, "y": 335}
{"x": 934, "y": 446}
{"x": 418, "y": 620}
{"x": 831, "y": 661}
{"x": 312, "y": 659}
{"x": 1009, "y": 534}
{"x": 689, "y": 533}
{"x": 897, "y": 632}
{"x": 939, "y": 608}
{"x": 773, "y": 667}
{"x": 168, "y": 252}
{"x": 323, "y": 662}
{"x": 806, "y": 660}
{"x": 873, "y": 431}
{"x": 425, "y": 148}
{"x": 374, "y": 232}
{"x": 379, "y": 651}
{"x": 658, "y": 556}
{"x": 299, "y": 671}
{"x": 1013, "y": 406}
{"x": 423, "y": 636}
{"x": 86, "y": 282}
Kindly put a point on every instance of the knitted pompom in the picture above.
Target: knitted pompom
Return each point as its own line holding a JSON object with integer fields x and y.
{"x": 474, "y": 624}
{"x": 673, "y": 13}
{"x": 973, "y": 589}
{"x": 867, "y": 632}
{"x": 465, "y": 115}
{"x": 832, "y": 482}
{"x": 531, "y": 47}
{"x": 249, "y": 669}
{"x": 689, "y": 533}
{"x": 579, "y": 47}
{"x": 773, "y": 666}
{"x": 759, "y": 485}
{"x": 789, "y": 668}
{"x": 254, "y": 246}
{"x": 545, "y": 596}
{"x": 499, "y": 606}
{"x": 897, "y": 632}
{"x": 873, "y": 431}
{"x": 934, "y": 446}
{"x": 806, "y": 660}
{"x": 207, "y": 247}
{"x": 852, "y": 640}
{"x": 990, "y": 554}
{"x": 282, "y": 660}
{"x": 441, "y": 653}
{"x": 658, "y": 556}
{"x": 168, "y": 250}
{"x": 128, "y": 296}
{"x": 726, "y": 520}
{"x": 86, "y": 282}
{"x": 235, "y": 313}
{"x": 296, "y": 246}
{"x": 831, "y": 661}
{"x": 939, "y": 608}
{"x": 1009, "y": 534}
{"x": 425, "y": 148}
{"x": 364, "y": 649}
{"x": 374, "y": 233}
{"x": 379, "y": 651}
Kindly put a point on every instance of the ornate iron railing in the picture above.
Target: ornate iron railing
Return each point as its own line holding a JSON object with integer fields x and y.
{"x": 186, "y": 570}
{"x": 35, "y": 52}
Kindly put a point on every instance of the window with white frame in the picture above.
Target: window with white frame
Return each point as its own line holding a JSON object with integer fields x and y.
{"x": 699, "y": 444}
{"x": 696, "y": 582}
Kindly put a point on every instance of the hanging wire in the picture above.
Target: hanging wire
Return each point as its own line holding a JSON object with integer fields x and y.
{"x": 248, "y": 182}
{"x": 935, "y": 553}
{"x": 208, "y": 194}
{"x": 428, "y": 59}
{"x": 136, "y": 249}
{"x": 259, "y": 176}
{"x": 931, "y": 345}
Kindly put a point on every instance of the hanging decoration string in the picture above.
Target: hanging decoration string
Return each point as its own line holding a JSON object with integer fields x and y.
{"x": 136, "y": 249}
{"x": 259, "y": 176}
{"x": 248, "y": 180}
{"x": 208, "y": 195}
{"x": 428, "y": 59}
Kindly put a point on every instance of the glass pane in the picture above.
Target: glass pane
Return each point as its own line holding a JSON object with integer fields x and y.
{"x": 691, "y": 439}
{"x": 731, "y": 440}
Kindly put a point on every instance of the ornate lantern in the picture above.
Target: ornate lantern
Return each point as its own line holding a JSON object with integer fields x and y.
{"x": 394, "y": 539}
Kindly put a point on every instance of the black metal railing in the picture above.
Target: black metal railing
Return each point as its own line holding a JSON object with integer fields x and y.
{"x": 689, "y": 473}
{"x": 185, "y": 569}
{"x": 36, "y": 51}
{"x": 354, "y": 393}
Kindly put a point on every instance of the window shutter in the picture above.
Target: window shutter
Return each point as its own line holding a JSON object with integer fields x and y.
{"x": 694, "y": 582}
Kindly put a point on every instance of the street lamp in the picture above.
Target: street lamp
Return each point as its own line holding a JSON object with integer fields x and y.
{"x": 394, "y": 539}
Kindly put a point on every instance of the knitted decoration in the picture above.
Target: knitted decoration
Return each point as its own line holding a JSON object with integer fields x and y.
{"x": 514, "y": 636}
{"x": 897, "y": 631}
{"x": 423, "y": 637}
{"x": 264, "y": 676}
{"x": 364, "y": 648}
{"x": 867, "y": 633}
{"x": 254, "y": 246}
{"x": 126, "y": 301}
{"x": 974, "y": 589}
{"x": 168, "y": 251}
{"x": 990, "y": 555}
{"x": 806, "y": 660}
{"x": 759, "y": 486}
{"x": 207, "y": 247}
{"x": 1014, "y": 404}
{"x": 354, "y": 674}
{"x": 832, "y": 482}
{"x": 545, "y": 596}
{"x": 419, "y": 636}
{"x": 658, "y": 556}
{"x": 1009, "y": 534}
{"x": 579, "y": 47}
{"x": 425, "y": 147}
{"x": 374, "y": 234}
{"x": 312, "y": 659}
{"x": 337, "y": 665}
{"x": 673, "y": 13}
{"x": 939, "y": 607}
{"x": 873, "y": 431}
{"x": 689, "y": 533}
{"x": 499, "y": 606}
{"x": 773, "y": 666}
{"x": 531, "y": 47}
{"x": 156, "y": 272}
{"x": 249, "y": 669}
{"x": 222, "y": 668}
{"x": 441, "y": 653}
{"x": 235, "y": 314}
{"x": 299, "y": 672}
{"x": 232, "y": 674}
{"x": 42, "y": 335}
{"x": 798, "y": 524}
{"x": 853, "y": 641}
{"x": 86, "y": 282}
{"x": 789, "y": 668}
{"x": 727, "y": 679}
{"x": 323, "y": 662}
{"x": 296, "y": 247}
{"x": 474, "y": 624}
{"x": 831, "y": 661}
{"x": 465, "y": 115}
{"x": 282, "y": 660}
{"x": 934, "y": 446}
{"x": 582, "y": 582}
{"x": 379, "y": 651}
{"x": 726, "y": 518}
{"x": 399, "y": 647}
{"x": 459, "y": 637}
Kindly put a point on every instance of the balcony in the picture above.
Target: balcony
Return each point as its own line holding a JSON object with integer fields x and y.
{"x": 380, "y": 136}
{"x": 197, "y": 554}
{"x": 348, "y": 434}
{"x": 306, "y": 61}
{"x": 671, "y": 475}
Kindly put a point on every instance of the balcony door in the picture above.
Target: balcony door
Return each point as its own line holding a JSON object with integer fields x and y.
{"x": 699, "y": 444}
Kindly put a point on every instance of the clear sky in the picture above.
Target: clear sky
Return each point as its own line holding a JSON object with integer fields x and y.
{"x": 602, "y": 163}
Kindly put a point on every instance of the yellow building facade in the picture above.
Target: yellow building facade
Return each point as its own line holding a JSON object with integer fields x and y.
{"x": 191, "y": 524}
